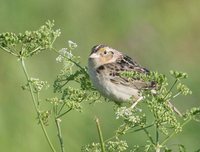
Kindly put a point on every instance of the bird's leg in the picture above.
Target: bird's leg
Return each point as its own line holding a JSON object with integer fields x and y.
{"x": 136, "y": 102}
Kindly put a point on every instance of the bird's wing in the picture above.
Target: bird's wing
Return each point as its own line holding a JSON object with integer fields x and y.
{"x": 126, "y": 64}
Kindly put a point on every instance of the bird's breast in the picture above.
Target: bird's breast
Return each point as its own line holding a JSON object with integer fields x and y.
{"x": 117, "y": 92}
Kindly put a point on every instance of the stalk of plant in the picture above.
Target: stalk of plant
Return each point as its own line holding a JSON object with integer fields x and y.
{"x": 31, "y": 42}
{"x": 100, "y": 135}
{"x": 36, "y": 105}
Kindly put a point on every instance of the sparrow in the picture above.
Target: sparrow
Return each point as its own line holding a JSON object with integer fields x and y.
{"x": 105, "y": 68}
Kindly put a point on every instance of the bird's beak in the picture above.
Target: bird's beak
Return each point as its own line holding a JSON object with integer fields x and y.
{"x": 93, "y": 56}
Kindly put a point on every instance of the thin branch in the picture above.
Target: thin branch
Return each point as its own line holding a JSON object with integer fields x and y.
{"x": 115, "y": 136}
{"x": 35, "y": 105}
{"x": 136, "y": 130}
{"x": 171, "y": 106}
{"x": 100, "y": 135}
{"x": 12, "y": 48}
{"x": 157, "y": 134}
{"x": 38, "y": 48}
{"x": 171, "y": 88}
{"x": 148, "y": 135}
{"x": 54, "y": 40}
{"x": 60, "y": 115}
{"x": 174, "y": 132}
{"x": 38, "y": 99}
{"x": 8, "y": 51}
{"x": 64, "y": 113}
{"x": 57, "y": 121}
{"x": 142, "y": 128}
{"x": 61, "y": 108}
{"x": 157, "y": 146}
{"x": 58, "y": 127}
{"x": 176, "y": 95}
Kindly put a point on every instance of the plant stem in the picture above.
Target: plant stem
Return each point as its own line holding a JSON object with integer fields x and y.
{"x": 148, "y": 135}
{"x": 35, "y": 50}
{"x": 171, "y": 88}
{"x": 35, "y": 105}
{"x": 62, "y": 114}
{"x": 142, "y": 128}
{"x": 100, "y": 135}
{"x": 59, "y": 111}
{"x": 136, "y": 130}
{"x": 157, "y": 134}
{"x": 174, "y": 132}
{"x": 157, "y": 146}
{"x": 8, "y": 51}
{"x": 57, "y": 121}
{"x": 176, "y": 95}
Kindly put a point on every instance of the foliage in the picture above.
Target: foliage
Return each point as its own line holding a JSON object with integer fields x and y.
{"x": 30, "y": 42}
{"x": 164, "y": 117}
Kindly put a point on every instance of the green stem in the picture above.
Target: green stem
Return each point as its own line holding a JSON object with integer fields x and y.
{"x": 35, "y": 50}
{"x": 8, "y": 51}
{"x": 136, "y": 130}
{"x": 38, "y": 99}
{"x": 157, "y": 146}
{"x": 148, "y": 135}
{"x": 157, "y": 134}
{"x": 142, "y": 128}
{"x": 61, "y": 108}
{"x": 171, "y": 88}
{"x": 115, "y": 136}
{"x": 100, "y": 135}
{"x": 57, "y": 121}
{"x": 174, "y": 132}
{"x": 64, "y": 113}
{"x": 176, "y": 95}
{"x": 59, "y": 132}
{"x": 60, "y": 115}
{"x": 35, "y": 105}
{"x": 146, "y": 132}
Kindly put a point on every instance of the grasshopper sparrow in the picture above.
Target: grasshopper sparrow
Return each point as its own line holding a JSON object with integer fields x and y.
{"x": 105, "y": 66}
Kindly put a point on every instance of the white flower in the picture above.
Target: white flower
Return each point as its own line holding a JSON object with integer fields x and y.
{"x": 59, "y": 58}
{"x": 72, "y": 45}
{"x": 123, "y": 112}
{"x": 63, "y": 51}
{"x": 69, "y": 55}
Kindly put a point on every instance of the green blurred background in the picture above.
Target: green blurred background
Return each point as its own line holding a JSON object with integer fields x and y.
{"x": 161, "y": 35}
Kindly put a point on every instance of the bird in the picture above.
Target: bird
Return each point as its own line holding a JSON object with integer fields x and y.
{"x": 105, "y": 66}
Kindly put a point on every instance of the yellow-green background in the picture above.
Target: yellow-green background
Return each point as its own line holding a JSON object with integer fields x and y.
{"x": 161, "y": 35}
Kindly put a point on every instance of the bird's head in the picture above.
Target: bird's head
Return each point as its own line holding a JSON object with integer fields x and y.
{"x": 102, "y": 54}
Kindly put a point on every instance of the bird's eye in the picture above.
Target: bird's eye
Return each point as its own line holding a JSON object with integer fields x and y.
{"x": 105, "y": 52}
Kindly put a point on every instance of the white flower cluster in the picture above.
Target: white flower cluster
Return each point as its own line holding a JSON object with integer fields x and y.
{"x": 129, "y": 114}
{"x": 66, "y": 52}
{"x": 38, "y": 84}
{"x": 72, "y": 45}
{"x": 124, "y": 112}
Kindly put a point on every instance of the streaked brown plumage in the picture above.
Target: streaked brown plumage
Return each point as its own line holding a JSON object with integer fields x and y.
{"x": 105, "y": 65}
